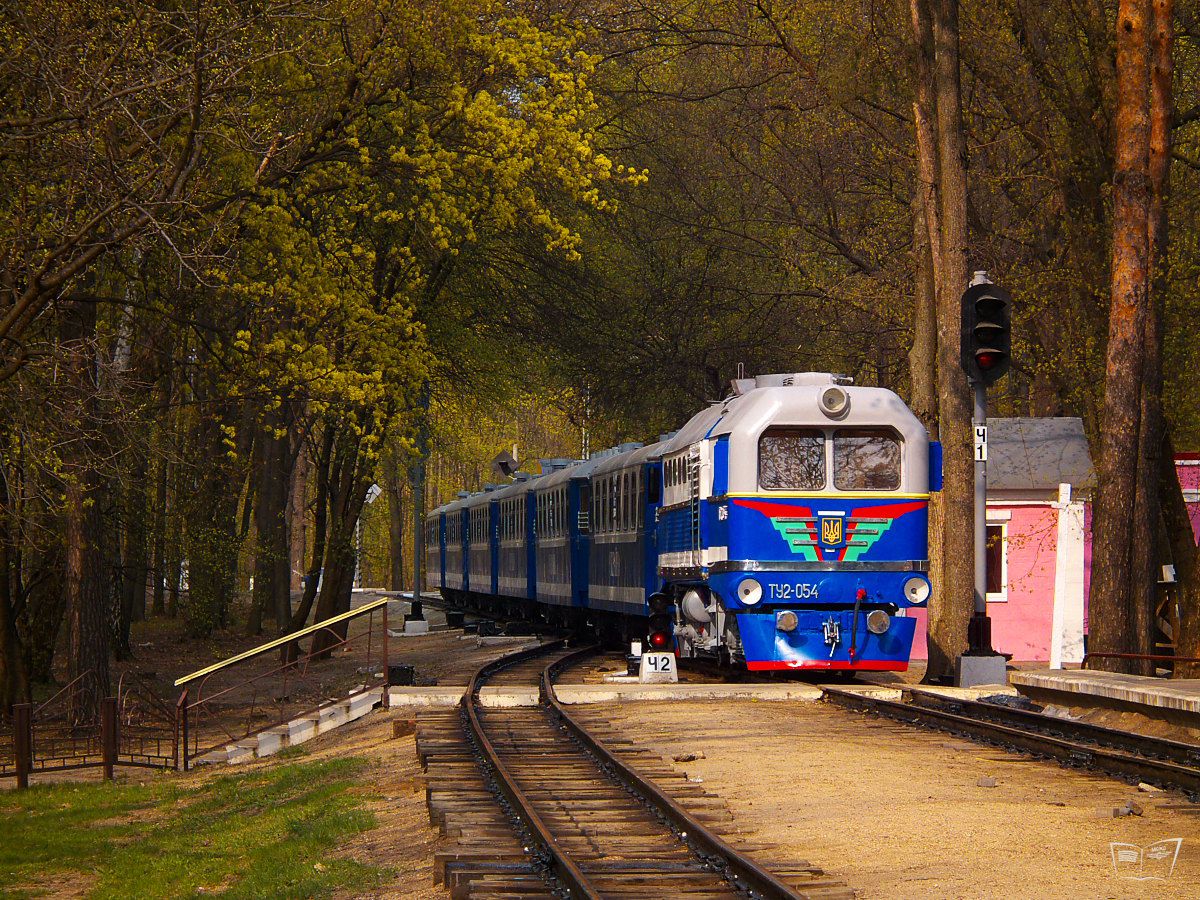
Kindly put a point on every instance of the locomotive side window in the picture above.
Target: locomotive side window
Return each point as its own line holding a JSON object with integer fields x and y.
{"x": 866, "y": 459}
{"x": 791, "y": 459}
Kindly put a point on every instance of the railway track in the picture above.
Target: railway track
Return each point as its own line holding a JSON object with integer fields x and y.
{"x": 1132, "y": 756}
{"x": 542, "y": 806}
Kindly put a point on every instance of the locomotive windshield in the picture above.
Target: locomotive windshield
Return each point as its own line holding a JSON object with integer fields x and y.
{"x": 794, "y": 459}
{"x": 791, "y": 459}
{"x": 866, "y": 459}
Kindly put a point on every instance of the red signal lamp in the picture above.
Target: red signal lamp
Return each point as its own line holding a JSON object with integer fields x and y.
{"x": 659, "y": 640}
{"x": 987, "y": 360}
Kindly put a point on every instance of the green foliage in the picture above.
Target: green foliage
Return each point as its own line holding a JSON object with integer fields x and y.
{"x": 266, "y": 834}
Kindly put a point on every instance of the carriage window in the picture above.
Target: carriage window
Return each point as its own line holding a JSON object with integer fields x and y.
{"x": 613, "y": 498}
{"x": 791, "y": 459}
{"x": 631, "y": 499}
{"x": 866, "y": 459}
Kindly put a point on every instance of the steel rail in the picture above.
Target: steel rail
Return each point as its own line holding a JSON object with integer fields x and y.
{"x": 1127, "y": 741}
{"x": 567, "y": 870}
{"x": 1122, "y": 763}
{"x": 704, "y": 842}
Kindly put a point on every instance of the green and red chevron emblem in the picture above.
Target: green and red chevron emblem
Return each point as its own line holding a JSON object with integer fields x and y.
{"x": 830, "y": 537}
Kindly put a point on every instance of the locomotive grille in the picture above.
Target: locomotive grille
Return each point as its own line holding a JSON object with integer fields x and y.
{"x": 803, "y": 534}
{"x": 861, "y": 528}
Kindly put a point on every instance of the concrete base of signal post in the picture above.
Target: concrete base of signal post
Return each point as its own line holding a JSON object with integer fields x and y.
{"x": 414, "y": 619}
{"x": 973, "y": 671}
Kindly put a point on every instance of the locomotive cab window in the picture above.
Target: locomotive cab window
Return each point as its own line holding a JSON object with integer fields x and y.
{"x": 866, "y": 459}
{"x": 791, "y": 459}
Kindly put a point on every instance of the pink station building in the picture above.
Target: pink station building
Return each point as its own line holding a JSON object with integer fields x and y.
{"x": 1040, "y": 484}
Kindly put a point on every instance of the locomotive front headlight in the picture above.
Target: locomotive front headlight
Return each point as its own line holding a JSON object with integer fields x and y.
{"x": 916, "y": 590}
{"x": 786, "y": 621}
{"x": 878, "y": 621}
{"x": 834, "y": 402}
{"x": 749, "y": 591}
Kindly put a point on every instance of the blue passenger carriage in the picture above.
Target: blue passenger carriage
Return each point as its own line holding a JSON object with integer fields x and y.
{"x": 481, "y": 558}
{"x": 454, "y": 569}
{"x": 782, "y": 528}
{"x": 626, "y": 491}
{"x": 561, "y": 543}
{"x": 516, "y": 562}
{"x": 435, "y": 547}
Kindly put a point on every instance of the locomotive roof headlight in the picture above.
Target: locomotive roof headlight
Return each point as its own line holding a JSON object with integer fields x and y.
{"x": 878, "y": 621}
{"x": 749, "y": 591}
{"x": 834, "y": 402}
{"x": 916, "y": 590}
{"x": 786, "y": 621}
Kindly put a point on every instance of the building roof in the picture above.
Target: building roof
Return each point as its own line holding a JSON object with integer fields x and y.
{"x": 1036, "y": 455}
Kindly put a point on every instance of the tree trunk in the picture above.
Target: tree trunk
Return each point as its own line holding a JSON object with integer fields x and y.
{"x": 173, "y": 556}
{"x": 14, "y": 681}
{"x": 87, "y": 625}
{"x": 272, "y": 556}
{"x": 347, "y": 495}
{"x": 1109, "y": 616}
{"x": 922, "y": 357}
{"x": 87, "y": 640}
{"x": 298, "y": 521}
{"x": 336, "y": 588}
{"x": 158, "y": 605}
{"x": 927, "y": 257}
{"x": 252, "y": 508}
{"x": 320, "y": 522}
{"x": 396, "y": 532}
{"x": 1146, "y": 553}
{"x": 950, "y": 610}
{"x": 133, "y": 554}
{"x": 1186, "y": 558}
{"x": 211, "y": 536}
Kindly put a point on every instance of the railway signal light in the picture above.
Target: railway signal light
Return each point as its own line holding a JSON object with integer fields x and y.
{"x": 661, "y": 626}
{"x": 986, "y": 332}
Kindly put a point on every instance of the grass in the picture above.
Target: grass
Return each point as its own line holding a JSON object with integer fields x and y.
{"x": 267, "y": 833}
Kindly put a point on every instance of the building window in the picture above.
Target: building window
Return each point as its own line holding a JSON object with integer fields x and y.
{"x": 997, "y": 563}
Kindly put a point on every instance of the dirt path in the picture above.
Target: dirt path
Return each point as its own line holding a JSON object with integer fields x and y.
{"x": 899, "y": 813}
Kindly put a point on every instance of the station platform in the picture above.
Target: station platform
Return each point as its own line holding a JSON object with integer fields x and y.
{"x": 572, "y": 694}
{"x": 1084, "y": 687}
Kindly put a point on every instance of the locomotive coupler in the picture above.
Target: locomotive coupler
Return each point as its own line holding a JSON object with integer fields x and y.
{"x": 833, "y": 635}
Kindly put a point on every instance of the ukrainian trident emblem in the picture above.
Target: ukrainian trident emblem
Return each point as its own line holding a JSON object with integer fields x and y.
{"x": 831, "y": 532}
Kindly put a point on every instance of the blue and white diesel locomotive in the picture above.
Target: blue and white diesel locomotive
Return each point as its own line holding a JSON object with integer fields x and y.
{"x": 783, "y": 528}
